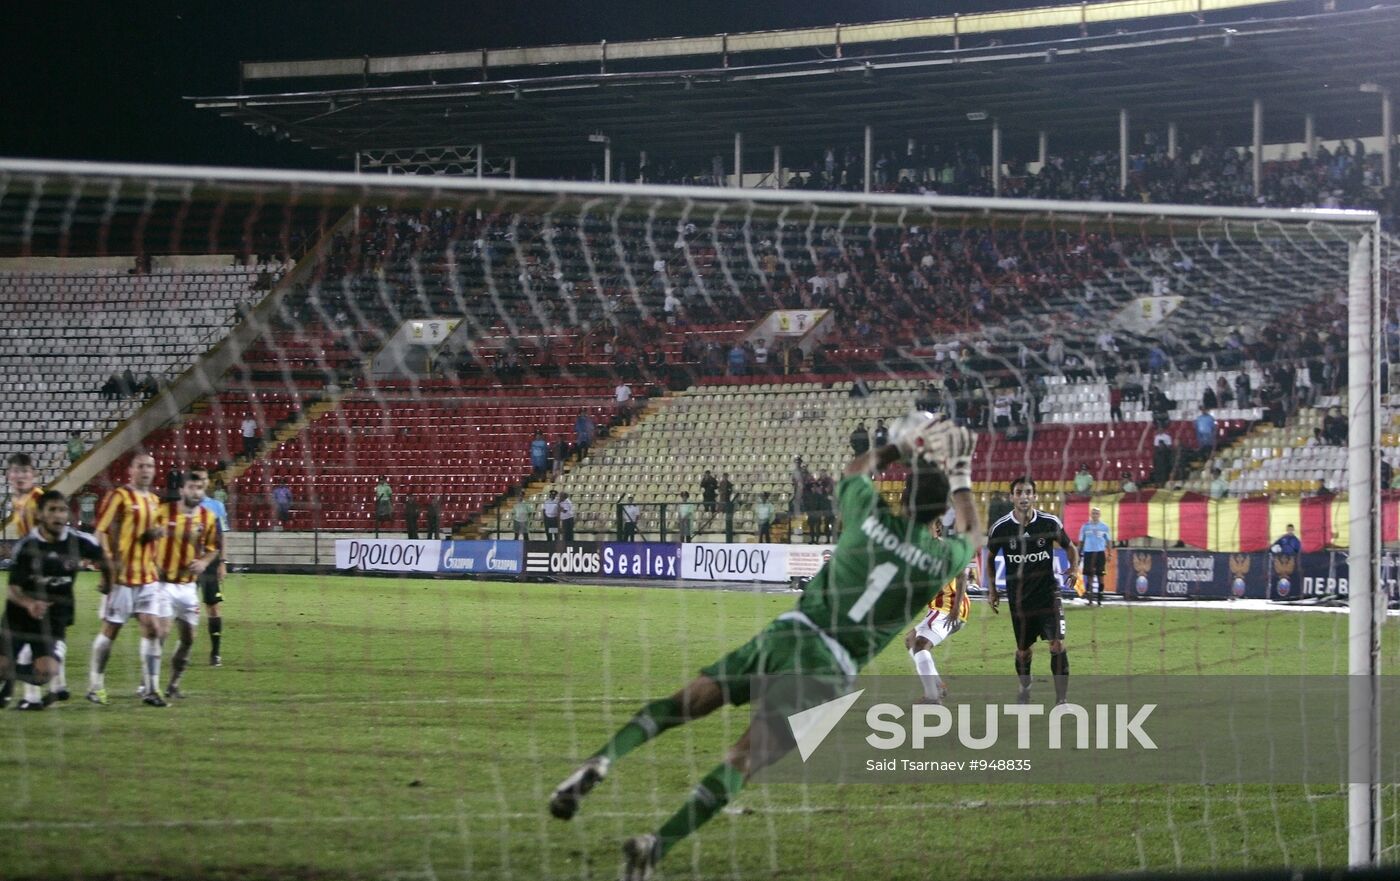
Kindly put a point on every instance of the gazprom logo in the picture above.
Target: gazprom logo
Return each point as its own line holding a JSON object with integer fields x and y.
{"x": 493, "y": 564}
{"x": 452, "y": 563}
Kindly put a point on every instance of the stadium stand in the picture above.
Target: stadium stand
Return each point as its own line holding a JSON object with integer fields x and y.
{"x": 1303, "y": 456}
{"x": 1090, "y": 402}
{"x": 753, "y": 431}
{"x": 211, "y": 434}
{"x": 580, "y": 300}
{"x": 541, "y": 303}
{"x": 80, "y": 328}
{"x": 577, "y": 299}
{"x": 597, "y": 295}
{"x": 464, "y": 452}
{"x": 536, "y": 297}
{"x": 1345, "y": 175}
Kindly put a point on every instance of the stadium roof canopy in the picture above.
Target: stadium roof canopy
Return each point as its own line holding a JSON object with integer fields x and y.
{"x": 1049, "y": 70}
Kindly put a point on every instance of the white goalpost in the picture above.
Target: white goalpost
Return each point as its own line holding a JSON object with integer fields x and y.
{"x": 1367, "y": 601}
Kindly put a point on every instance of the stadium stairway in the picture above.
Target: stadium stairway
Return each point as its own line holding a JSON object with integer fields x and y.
{"x": 202, "y": 376}
{"x": 285, "y": 431}
{"x": 1274, "y": 460}
{"x": 209, "y": 432}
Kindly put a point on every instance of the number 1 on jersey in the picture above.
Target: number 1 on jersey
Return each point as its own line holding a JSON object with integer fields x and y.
{"x": 877, "y": 583}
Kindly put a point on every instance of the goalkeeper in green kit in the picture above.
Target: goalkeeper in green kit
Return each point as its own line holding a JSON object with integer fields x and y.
{"x": 886, "y": 567}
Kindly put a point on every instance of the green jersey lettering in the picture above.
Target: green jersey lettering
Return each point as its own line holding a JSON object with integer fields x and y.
{"x": 883, "y": 572}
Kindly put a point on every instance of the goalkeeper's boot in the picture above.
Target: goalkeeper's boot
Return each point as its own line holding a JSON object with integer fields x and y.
{"x": 640, "y": 856}
{"x": 58, "y": 696}
{"x": 98, "y": 696}
{"x": 564, "y": 803}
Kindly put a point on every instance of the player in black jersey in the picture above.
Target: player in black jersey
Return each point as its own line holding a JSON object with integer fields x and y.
{"x": 1026, "y": 540}
{"x": 39, "y": 607}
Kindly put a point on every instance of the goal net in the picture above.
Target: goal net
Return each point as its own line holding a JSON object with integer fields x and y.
{"x": 504, "y": 460}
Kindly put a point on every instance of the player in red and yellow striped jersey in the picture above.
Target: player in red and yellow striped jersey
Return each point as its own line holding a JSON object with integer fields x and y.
{"x": 954, "y": 595}
{"x": 948, "y": 611}
{"x": 190, "y": 546}
{"x": 128, "y": 520}
{"x": 129, "y": 525}
{"x": 24, "y": 494}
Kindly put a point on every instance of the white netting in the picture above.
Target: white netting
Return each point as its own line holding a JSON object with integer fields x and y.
{"x": 394, "y": 352}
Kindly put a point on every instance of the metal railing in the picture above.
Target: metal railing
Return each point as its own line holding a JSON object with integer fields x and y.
{"x": 670, "y": 521}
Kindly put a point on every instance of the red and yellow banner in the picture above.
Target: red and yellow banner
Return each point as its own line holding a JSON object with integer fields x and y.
{"x": 1229, "y": 525}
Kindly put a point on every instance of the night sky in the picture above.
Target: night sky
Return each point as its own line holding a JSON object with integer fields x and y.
{"x": 106, "y": 80}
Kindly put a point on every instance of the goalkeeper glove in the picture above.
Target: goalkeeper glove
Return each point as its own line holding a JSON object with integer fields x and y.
{"x": 958, "y": 446}
{"x": 910, "y": 433}
{"x": 1077, "y": 582}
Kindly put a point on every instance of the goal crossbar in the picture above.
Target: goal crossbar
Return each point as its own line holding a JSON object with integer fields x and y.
{"x": 355, "y": 188}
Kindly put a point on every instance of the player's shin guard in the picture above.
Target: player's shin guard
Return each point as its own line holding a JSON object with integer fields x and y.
{"x": 928, "y": 674}
{"x": 1059, "y": 669}
{"x": 216, "y": 633}
{"x": 97, "y": 664}
{"x": 718, "y": 789}
{"x": 650, "y": 722}
{"x": 150, "y": 664}
{"x": 1023, "y": 669}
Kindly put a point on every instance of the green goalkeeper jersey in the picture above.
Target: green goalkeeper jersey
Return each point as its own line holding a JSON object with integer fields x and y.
{"x": 882, "y": 573}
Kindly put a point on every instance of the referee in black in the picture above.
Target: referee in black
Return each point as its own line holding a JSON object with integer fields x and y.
{"x": 1026, "y": 540}
{"x": 39, "y": 605}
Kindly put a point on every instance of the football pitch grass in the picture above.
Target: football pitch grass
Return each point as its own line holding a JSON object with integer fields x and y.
{"x": 386, "y": 728}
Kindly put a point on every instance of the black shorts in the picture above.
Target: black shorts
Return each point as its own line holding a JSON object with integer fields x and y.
{"x": 1094, "y": 562}
{"x": 210, "y": 590}
{"x": 17, "y": 630}
{"x": 1047, "y": 623}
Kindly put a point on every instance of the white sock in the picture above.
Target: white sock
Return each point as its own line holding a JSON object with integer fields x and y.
{"x": 928, "y": 674}
{"x": 97, "y": 665}
{"x": 150, "y": 664}
{"x": 30, "y": 693}
{"x": 59, "y": 682}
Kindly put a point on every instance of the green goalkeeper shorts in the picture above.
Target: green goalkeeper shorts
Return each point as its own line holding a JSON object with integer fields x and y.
{"x": 790, "y": 646}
